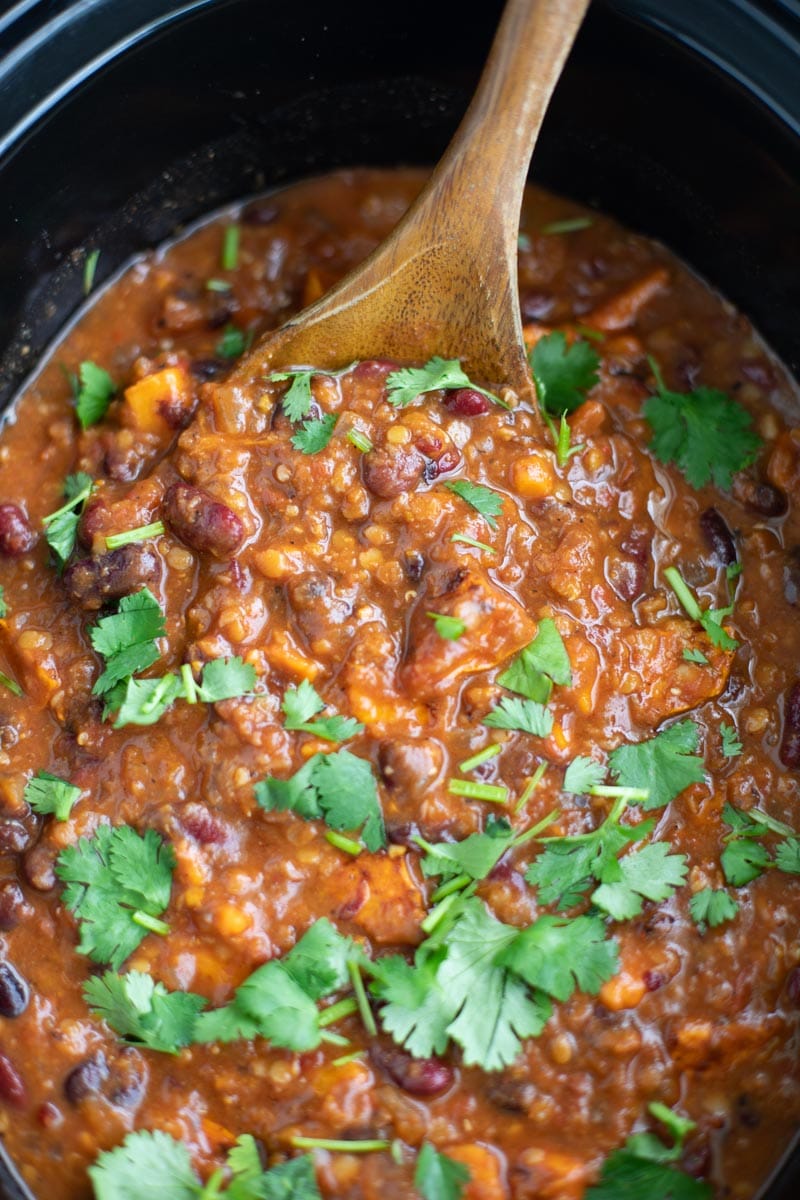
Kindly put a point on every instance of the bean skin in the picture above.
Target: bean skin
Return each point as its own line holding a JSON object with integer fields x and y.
{"x": 86, "y": 1079}
{"x": 718, "y": 537}
{"x": 16, "y": 535}
{"x": 14, "y": 991}
{"x": 391, "y": 472}
{"x": 12, "y": 1088}
{"x": 92, "y": 581}
{"x": 14, "y": 908}
{"x": 417, "y": 1076}
{"x": 203, "y": 523}
{"x": 790, "y": 745}
{"x": 14, "y": 837}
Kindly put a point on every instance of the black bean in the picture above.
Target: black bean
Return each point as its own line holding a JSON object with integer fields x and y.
{"x": 417, "y": 1076}
{"x": 87, "y": 1078}
{"x": 203, "y": 523}
{"x": 790, "y": 744}
{"x": 791, "y": 576}
{"x": 14, "y": 908}
{"x": 760, "y": 497}
{"x": 718, "y": 537}
{"x": 12, "y": 1088}
{"x": 206, "y": 369}
{"x": 90, "y": 582}
{"x": 510, "y": 1094}
{"x": 14, "y": 837}
{"x": 14, "y": 991}
{"x": 16, "y": 535}
{"x": 413, "y": 565}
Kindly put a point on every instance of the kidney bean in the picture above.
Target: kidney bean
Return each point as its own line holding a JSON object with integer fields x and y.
{"x": 510, "y": 1094}
{"x": 536, "y": 306}
{"x": 90, "y": 582}
{"x": 16, "y": 535}
{"x": 791, "y": 576}
{"x": 14, "y": 908}
{"x": 39, "y": 870}
{"x": 127, "y": 1080}
{"x": 759, "y": 372}
{"x": 793, "y": 986}
{"x": 466, "y": 402}
{"x": 790, "y": 745}
{"x": 417, "y": 1076}
{"x": 86, "y": 1079}
{"x": 206, "y": 369}
{"x": 373, "y": 370}
{"x": 760, "y": 497}
{"x": 260, "y": 212}
{"x": 201, "y": 824}
{"x": 413, "y": 565}
{"x": 447, "y": 461}
{"x": 626, "y": 576}
{"x": 696, "y": 1159}
{"x": 203, "y": 523}
{"x": 177, "y": 411}
{"x": 718, "y": 537}
{"x": 14, "y": 991}
{"x": 653, "y": 980}
{"x": 14, "y": 837}
{"x": 409, "y": 767}
{"x": 49, "y": 1116}
{"x": 391, "y": 472}
{"x": 12, "y": 1088}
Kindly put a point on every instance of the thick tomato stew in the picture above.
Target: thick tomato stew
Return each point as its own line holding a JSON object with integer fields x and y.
{"x": 399, "y": 780}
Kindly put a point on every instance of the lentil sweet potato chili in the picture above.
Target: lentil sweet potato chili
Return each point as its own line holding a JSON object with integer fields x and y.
{"x": 400, "y": 783}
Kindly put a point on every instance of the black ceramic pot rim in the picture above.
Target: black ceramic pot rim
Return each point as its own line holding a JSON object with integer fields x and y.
{"x": 45, "y": 54}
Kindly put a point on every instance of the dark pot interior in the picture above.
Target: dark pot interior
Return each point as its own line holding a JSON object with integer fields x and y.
{"x": 123, "y": 119}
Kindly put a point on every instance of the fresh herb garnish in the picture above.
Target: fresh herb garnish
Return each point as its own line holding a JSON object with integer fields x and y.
{"x": 144, "y": 701}
{"x": 539, "y": 665}
{"x": 218, "y": 285}
{"x": 47, "y": 793}
{"x": 359, "y": 439}
{"x": 405, "y": 384}
{"x": 233, "y": 342}
{"x": 140, "y": 534}
{"x": 447, "y": 627}
{"x": 302, "y": 703}
{"x": 745, "y": 857}
{"x": 710, "y": 618}
{"x": 96, "y": 389}
{"x": 61, "y": 526}
{"x": 126, "y": 639}
{"x": 3, "y": 605}
{"x": 338, "y": 788}
{"x": 562, "y": 439}
{"x": 437, "y": 1177}
{"x": 118, "y": 885}
{"x": 142, "y": 1011}
{"x": 297, "y": 399}
{"x": 692, "y": 654}
{"x": 474, "y": 856}
{"x": 712, "y": 907}
{"x": 644, "y": 1168}
{"x": 568, "y": 225}
{"x": 89, "y": 270}
{"x": 527, "y": 716}
{"x": 731, "y": 746}
{"x": 315, "y": 434}
{"x": 582, "y": 774}
{"x": 665, "y": 764}
{"x": 11, "y": 684}
{"x": 471, "y": 541}
{"x": 706, "y": 434}
{"x": 562, "y": 374}
{"x": 483, "y": 499}
{"x": 155, "y": 1164}
{"x": 229, "y": 259}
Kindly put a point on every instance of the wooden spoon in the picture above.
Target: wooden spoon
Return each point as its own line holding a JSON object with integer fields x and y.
{"x": 445, "y": 281}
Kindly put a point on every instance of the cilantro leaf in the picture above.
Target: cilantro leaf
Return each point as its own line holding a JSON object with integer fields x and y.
{"x": 46, "y": 793}
{"x": 483, "y": 499}
{"x": 712, "y": 907}
{"x": 118, "y": 884}
{"x": 315, "y": 434}
{"x": 581, "y": 774}
{"x": 625, "y": 1174}
{"x": 339, "y": 787}
{"x": 744, "y": 860}
{"x": 557, "y": 955}
{"x": 731, "y": 746}
{"x": 142, "y": 1011}
{"x": 694, "y": 655}
{"x": 666, "y": 764}
{"x": 279, "y": 1008}
{"x": 143, "y": 701}
{"x": 525, "y": 715}
{"x": 292, "y": 1180}
{"x": 301, "y": 703}
{"x": 126, "y": 639}
{"x": 225, "y": 679}
{"x": 3, "y": 605}
{"x": 475, "y": 855}
{"x": 416, "y": 1011}
{"x": 95, "y": 391}
{"x": 651, "y": 873}
{"x": 447, "y": 627}
{"x": 706, "y": 434}
{"x": 61, "y": 526}
{"x": 318, "y": 962}
{"x": 437, "y": 1177}
{"x": 146, "y": 1164}
{"x": 297, "y": 399}
{"x": 539, "y": 665}
{"x": 233, "y": 342}
{"x": 563, "y": 375}
{"x": 787, "y": 856}
{"x": 710, "y": 618}
{"x": 405, "y": 384}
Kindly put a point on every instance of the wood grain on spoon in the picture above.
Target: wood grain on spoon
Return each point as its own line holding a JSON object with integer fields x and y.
{"x": 445, "y": 281}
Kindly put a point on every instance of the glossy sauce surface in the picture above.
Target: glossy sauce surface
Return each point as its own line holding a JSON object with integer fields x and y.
{"x": 323, "y": 567}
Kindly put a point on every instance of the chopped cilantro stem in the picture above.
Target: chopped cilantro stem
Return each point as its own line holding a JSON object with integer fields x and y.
{"x": 359, "y": 440}
{"x": 344, "y": 1059}
{"x": 447, "y": 889}
{"x": 230, "y": 248}
{"x": 339, "y": 1145}
{"x": 115, "y": 540}
{"x": 145, "y": 921}
{"x": 89, "y": 269}
{"x": 361, "y": 999}
{"x": 530, "y": 787}
{"x": 189, "y": 685}
{"x": 469, "y": 764}
{"x": 614, "y": 816}
{"x": 73, "y": 502}
{"x": 437, "y": 914}
{"x": 217, "y": 285}
{"x": 348, "y": 845}
{"x": 684, "y": 593}
{"x": 536, "y": 829}
{"x": 478, "y": 791}
{"x": 568, "y": 225}
{"x": 632, "y": 794}
{"x": 333, "y": 1039}
{"x": 11, "y": 684}
{"x": 471, "y": 541}
{"x": 337, "y": 1012}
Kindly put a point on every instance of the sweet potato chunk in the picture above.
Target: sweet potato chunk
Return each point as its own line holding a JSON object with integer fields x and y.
{"x": 377, "y": 893}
